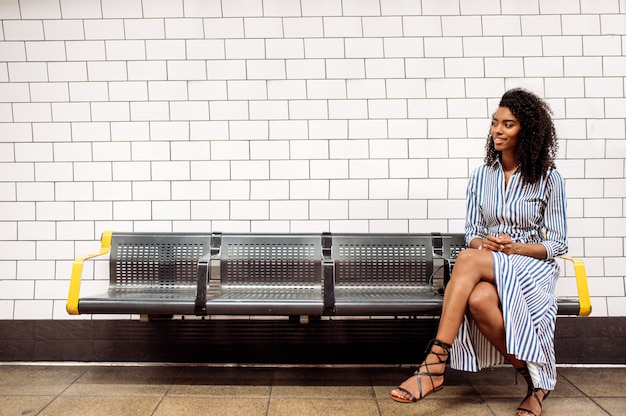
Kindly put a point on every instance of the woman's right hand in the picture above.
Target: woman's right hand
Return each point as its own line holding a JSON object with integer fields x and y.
{"x": 492, "y": 243}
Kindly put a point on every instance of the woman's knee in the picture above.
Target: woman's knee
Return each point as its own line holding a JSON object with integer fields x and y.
{"x": 465, "y": 256}
{"x": 483, "y": 300}
{"x": 471, "y": 259}
{"x": 475, "y": 263}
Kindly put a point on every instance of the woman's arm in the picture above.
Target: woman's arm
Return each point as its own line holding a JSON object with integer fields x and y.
{"x": 555, "y": 219}
{"x": 474, "y": 222}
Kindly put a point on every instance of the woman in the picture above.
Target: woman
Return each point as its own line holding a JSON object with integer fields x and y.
{"x": 499, "y": 304}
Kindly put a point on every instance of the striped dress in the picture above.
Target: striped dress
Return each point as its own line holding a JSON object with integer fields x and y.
{"x": 529, "y": 214}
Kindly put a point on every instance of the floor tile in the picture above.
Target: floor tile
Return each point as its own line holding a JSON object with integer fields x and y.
{"x": 597, "y": 382}
{"x": 118, "y": 390}
{"x": 23, "y": 405}
{"x": 37, "y": 380}
{"x": 129, "y": 375}
{"x": 614, "y": 405}
{"x": 192, "y": 406}
{"x": 200, "y": 375}
{"x": 432, "y": 405}
{"x": 220, "y": 391}
{"x": 572, "y": 406}
{"x": 322, "y": 376}
{"x": 322, "y": 407}
{"x": 498, "y": 382}
{"x": 322, "y": 392}
{"x": 101, "y": 406}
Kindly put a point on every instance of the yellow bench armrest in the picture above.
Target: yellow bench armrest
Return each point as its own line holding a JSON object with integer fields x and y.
{"x": 581, "y": 284}
{"x": 77, "y": 272}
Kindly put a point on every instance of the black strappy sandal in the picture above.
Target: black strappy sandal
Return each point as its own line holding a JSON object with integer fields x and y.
{"x": 419, "y": 374}
{"x": 532, "y": 391}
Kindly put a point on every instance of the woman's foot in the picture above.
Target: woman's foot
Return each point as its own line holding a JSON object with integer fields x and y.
{"x": 532, "y": 404}
{"x": 429, "y": 376}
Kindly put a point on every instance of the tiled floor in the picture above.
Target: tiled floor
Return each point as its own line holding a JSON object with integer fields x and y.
{"x": 200, "y": 390}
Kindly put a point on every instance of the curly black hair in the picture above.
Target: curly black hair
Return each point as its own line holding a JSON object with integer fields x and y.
{"x": 537, "y": 143}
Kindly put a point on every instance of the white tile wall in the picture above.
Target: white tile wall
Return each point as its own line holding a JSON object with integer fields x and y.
{"x": 271, "y": 115}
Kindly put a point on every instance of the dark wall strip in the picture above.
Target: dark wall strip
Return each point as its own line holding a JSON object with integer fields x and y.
{"x": 399, "y": 341}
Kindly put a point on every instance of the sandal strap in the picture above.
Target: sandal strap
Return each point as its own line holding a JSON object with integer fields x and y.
{"x": 430, "y": 375}
{"x": 411, "y": 395}
{"x": 443, "y": 345}
{"x": 533, "y": 393}
{"x": 429, "y": 350}
{"x": 427, "y": 373}
{"x": 527, "y": 411}
{"x": 540, "y": 401}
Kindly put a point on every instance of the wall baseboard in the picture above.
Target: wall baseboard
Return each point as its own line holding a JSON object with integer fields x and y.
{"x": 399, "y": 341}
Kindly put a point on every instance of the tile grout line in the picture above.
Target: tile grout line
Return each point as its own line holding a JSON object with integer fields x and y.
{"x": 63, "y": 391}
{"x": 269, "y": 394}
{"x": 161, "y": 400}
{"x": 376, "y": 398}
{"x": 477, "y": 391}
{"x": 591, "y": 399}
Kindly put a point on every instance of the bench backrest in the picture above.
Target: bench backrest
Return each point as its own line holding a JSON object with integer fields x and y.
{"x": 453, "y": 244}
{"x": 156, "y": 260}
{"x": 382, "y": 260}
{"x": 271, "y": 260}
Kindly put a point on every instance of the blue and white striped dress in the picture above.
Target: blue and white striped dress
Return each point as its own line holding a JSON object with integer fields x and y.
{"x": 529, "y": 214}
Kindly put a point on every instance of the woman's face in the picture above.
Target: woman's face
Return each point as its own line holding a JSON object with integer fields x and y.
{"x": 504, "y": 130}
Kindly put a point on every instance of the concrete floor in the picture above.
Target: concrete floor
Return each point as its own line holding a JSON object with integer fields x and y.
{"x": 111, "y": 390}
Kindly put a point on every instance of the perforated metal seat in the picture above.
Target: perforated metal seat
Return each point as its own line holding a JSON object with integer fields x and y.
{"x": 384, "y": 274}
{"x": 269, "y": 274}
{"x": 151, "y": 274}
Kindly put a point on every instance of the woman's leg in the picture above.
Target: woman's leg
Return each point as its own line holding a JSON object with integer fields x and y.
{"x": 484, "y": 306}
{"x": 472, "y": 267}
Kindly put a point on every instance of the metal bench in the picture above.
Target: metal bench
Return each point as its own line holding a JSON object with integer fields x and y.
{"x": 321, "y": 274}
{"x": 149, "y": 274}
